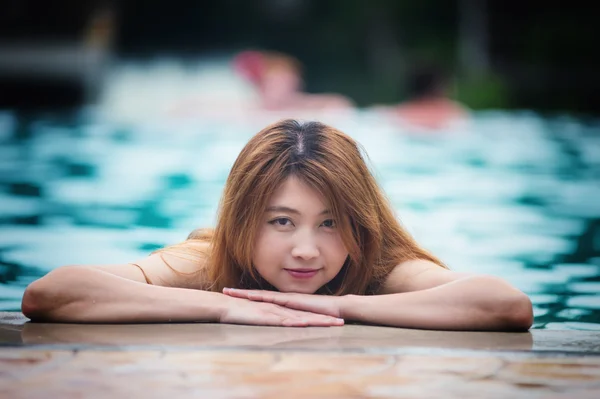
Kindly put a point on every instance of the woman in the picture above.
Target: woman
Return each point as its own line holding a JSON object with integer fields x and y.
{"x": 428, "y": 105}
{"x": 277, "y": 79}
{"x": 305, "y": 237}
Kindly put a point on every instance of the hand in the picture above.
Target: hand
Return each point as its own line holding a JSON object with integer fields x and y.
{"x": 321, "y": 304}
{"x": 244, "y": 311}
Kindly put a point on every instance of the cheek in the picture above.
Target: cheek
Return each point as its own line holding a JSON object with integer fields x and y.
{"x": 267, "y": 249}
{"x": 336, "y": 250}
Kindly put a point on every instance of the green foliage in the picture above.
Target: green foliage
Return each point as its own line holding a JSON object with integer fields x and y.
{"x": 487, "y": 91}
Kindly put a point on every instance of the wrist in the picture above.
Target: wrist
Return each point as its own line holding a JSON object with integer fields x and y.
{"x": 347, "y": 306}
{"x": 216, "y": 306}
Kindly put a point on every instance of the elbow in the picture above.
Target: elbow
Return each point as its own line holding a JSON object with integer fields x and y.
{"x": 517, "y": 312}
{"x": 41, "y": 298}
{"x": 509, "y": 308}
{"x": 32, "y": 304}
{"x": 523, "y": 315}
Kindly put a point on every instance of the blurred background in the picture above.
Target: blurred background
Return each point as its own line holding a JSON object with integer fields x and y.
{"x": 501, "y": 54}
{"x": 119, "y": 121}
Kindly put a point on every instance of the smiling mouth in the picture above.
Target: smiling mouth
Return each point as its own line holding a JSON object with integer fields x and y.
{"x": 302, "y": 273}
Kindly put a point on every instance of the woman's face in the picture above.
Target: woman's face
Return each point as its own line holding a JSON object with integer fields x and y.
{"x": 298, "y": 248}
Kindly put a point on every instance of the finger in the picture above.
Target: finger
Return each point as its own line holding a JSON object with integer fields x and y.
{"x": 284, "y": 300}
{"x": 260, "y": 297}
{"x": 291, "y": 317}
{"x": 235, "y": 293}
{"x": 257, "y": 296}
{"x": 294, "y": 322}
{"x": 330, "y": 320}
{"x": 316, "y": 319}
{"x": 317, "y": 322}
{"x": 243, "y": 291}
{"x": 309, "y": 322}
{"x": 284, "y": 321}
{"x": 327, "y": 321}
{"x": 248, "y": 294}
{"x": 288, "y": 301}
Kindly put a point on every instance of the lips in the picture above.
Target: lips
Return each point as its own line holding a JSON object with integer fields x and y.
{"x": 302, "y": 273}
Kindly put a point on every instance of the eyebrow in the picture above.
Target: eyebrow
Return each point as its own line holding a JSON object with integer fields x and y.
{"x": 279, "y": 208}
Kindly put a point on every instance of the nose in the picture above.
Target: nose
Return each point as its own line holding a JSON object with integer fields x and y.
{"x": 305, "y": 246}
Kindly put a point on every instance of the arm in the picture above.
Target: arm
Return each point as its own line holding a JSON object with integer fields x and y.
{"x": 421, "y": 294}
{"x": 425, "y": 295}
{"x": 157, "y": 288}
{"x": 126, "y": 294}
{"x": 89, "y": 294}
{"x": 470, "y": 303}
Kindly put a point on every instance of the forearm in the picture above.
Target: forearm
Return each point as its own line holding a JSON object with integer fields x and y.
{"x": 79, "y": 294}
{"x": 474, "y": 303}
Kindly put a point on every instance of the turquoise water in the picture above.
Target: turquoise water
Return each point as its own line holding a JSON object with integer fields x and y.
{"x": 513, "y": 194}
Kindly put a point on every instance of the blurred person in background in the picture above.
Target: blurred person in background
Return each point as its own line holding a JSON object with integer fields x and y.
{"x": 278, "y": 81}
{"x": 428, "y": 104}
{"x": 277, "y": 89}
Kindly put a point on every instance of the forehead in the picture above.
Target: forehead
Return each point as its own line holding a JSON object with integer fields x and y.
{"x": 295, "y": 193}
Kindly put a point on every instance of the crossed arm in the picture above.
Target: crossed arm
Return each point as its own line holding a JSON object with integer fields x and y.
{"x": 417, "y": 294}
{"x": 420, "y": 294}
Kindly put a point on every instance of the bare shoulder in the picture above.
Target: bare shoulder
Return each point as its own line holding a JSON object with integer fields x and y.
{"x": 418, "y": 274}
{"x": 182, "y": 265}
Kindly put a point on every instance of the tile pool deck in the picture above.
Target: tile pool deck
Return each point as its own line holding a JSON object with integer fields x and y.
{"x": 39, "y": 360}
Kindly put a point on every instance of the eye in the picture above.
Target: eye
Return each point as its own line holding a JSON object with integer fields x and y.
{"x": 329, "y": 223}
{"x": 281, "y": 222}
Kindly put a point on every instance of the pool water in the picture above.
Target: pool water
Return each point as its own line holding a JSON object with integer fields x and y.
{"x": 512, "y": 194}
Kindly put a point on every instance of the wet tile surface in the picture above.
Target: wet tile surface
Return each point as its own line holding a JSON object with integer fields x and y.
{"x": 16, "y": 331}
{"x": 27, "y": 373}
{"x": 354, "y": 361}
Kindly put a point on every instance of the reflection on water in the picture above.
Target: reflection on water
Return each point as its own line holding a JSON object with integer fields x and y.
{"x": 515, "y": 195}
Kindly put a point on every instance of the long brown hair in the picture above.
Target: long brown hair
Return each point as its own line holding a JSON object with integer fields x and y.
{"x": 332, "y": 163}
